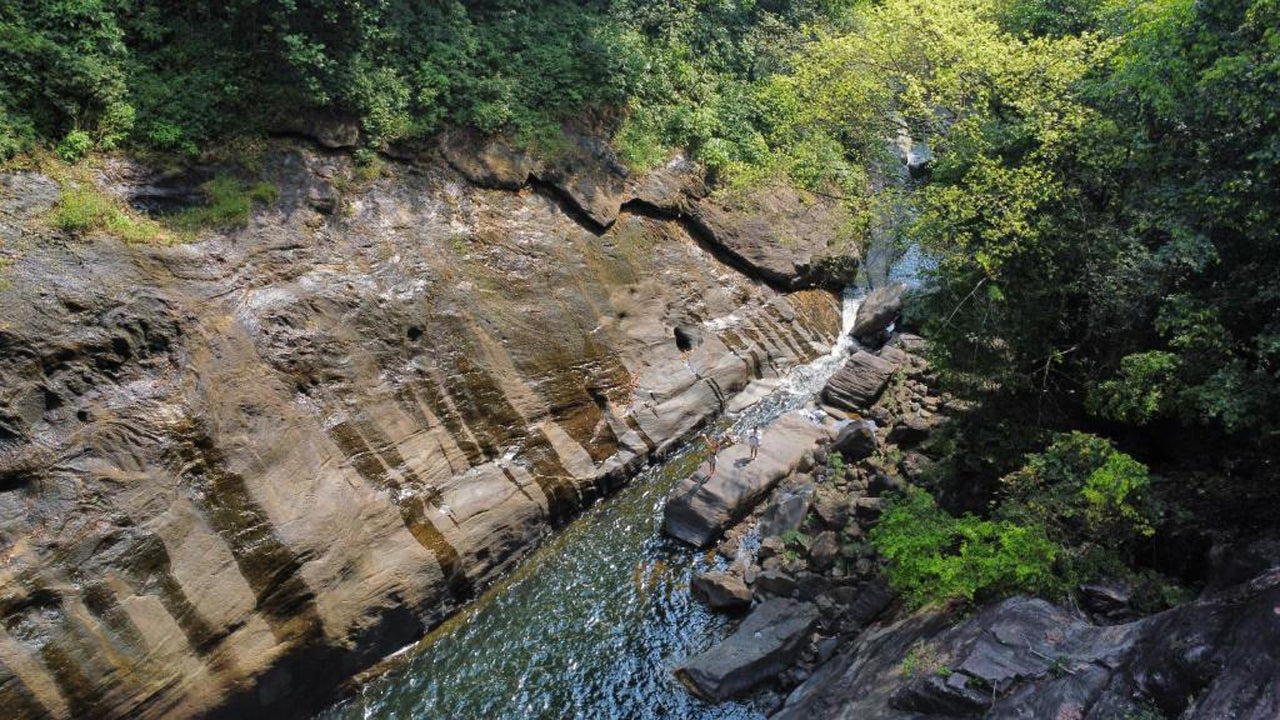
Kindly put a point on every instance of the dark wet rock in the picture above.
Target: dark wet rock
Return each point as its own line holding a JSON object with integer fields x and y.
{"x": 769, "y": 701}
{"x": 721, "y": 590}
{"x": 868, "y": 601}
{"x": 809, "y": 585}
{"x": 776, "y": 582}
{"x": 1023, "y": 658}
{"x": 857, "y": 385}
{"x": 856, "y": 441}
{"x": 824, "y": 550}
{"x": 827, "y": 647}
{"x": 878, "y": 310}
{"x": 701, "y": 507}
{"x": 765, "y": 644}
{"x": 1233, "y": 563}
{"x": 1110, "y": 599}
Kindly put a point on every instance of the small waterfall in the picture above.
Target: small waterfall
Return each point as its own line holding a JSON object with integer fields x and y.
{"x": 802, "y": 384}
{"x": 594, "y": 622}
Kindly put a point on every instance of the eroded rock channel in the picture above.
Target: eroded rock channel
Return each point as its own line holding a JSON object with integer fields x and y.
{"x": 235, "y": 472}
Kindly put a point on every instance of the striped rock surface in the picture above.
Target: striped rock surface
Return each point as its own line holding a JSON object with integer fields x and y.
{"x": 235, "y": 472}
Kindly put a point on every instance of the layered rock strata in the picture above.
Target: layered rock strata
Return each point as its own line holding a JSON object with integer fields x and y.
{"x": 236, "y": 471}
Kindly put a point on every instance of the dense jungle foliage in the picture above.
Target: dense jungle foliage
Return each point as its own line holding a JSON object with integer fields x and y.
{"x": 175, "y": 76}
{"x": 1103, "y": 203}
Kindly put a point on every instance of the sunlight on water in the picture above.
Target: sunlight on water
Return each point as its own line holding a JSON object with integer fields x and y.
{"x": 595, "y": 622}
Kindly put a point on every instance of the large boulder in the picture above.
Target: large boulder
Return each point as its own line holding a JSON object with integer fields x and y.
{"x": 784, "y": 249}
{"x": 878, "y": 310}
{"x": 702, "y": 506}
{"x": 857, "y": 385}
{"x": 765, "y": 644}
{"x": 856, "y": 440}
{"x": 721, "y": 590}
{"x": 788, "y": 511}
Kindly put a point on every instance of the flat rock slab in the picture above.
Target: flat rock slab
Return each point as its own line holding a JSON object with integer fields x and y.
{"x": 857, "y": 385}
{"x": 703, "y": 506}
{"x": 721, "y": 590}
{"x": 764, "y": 645}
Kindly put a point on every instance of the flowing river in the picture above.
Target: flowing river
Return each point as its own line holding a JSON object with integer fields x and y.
{"x": 593, "y": 624}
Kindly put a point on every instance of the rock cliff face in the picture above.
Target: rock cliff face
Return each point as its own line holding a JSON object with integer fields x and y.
{"x": 235, "y": 472}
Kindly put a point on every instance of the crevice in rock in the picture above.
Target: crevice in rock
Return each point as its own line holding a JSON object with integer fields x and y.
{"x": 567, "y": 204}
{"x": 703, "y": 235}
{"x": 705, "y": 239}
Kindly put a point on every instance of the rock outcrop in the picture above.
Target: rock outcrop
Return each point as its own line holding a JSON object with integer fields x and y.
{"x": 779, "y": 233}
{"x": 878, "y": 311}
{"x": 236, "y": 471}
{"x": 702, "y": 505}
{"x": 766, "y": 642}
{"x": 330, "y": 130}
{"x": 857, "y": 385}
{"x": 782, "y": 232}
{"x": 1024, "y": 658}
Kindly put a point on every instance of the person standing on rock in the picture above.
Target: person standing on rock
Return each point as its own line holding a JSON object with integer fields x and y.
{"x": 713, "y": 447}
{"x": 753, "y": 442}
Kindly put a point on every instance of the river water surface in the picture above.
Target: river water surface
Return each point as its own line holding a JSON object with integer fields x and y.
{"x": 593, "y": 624}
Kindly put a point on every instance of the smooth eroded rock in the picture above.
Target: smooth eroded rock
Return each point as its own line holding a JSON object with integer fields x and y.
{"x": 878, "y": 310}
{"x": 764, "y": 645}
{"x": 238, "y": 470}
{"x": 701, "y": 507}
{"x": 857, "y": 385}
{"x": 785, "y": 249}
{"x": 721, "y": 590}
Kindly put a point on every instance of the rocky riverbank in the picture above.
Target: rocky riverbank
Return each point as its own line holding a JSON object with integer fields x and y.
{"x": 792, "y": 522}
{"x": 823, "y": 636}
{"x": 236, "y": 471}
